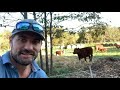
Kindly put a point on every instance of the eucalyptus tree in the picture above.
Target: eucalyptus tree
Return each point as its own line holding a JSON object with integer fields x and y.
{"x": 97, "y": 31}
{"x": 51, "y": 45}
{"x": 41, "y": 59}
{"x": 57, "y": 17}
{"x": 25, "y": 15}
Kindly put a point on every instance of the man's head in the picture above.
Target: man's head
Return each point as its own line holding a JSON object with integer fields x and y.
{"x": 29, "y": 25}
{"x": 26, "y": 41}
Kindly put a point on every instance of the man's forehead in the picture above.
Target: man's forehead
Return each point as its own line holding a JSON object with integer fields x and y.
{"x": 28, "y": 34}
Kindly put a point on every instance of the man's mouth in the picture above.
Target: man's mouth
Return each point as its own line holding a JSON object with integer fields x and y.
{"x": 26, "y": 55}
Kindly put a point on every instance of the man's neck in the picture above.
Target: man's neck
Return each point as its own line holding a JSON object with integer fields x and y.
{"x": 23, "y": 71}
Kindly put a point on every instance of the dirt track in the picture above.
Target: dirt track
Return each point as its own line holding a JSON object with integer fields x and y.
{"x": 107, "y": 68}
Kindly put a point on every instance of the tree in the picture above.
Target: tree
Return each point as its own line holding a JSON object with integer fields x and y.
{"x": 52, "y": 27}
{"x": 46, "y": 50}
{"x": 41, "y": 59}
{"x": 4, "y": 40}
{"x": 51, "y": 46}
{"x": 82, "y": 35}
{"x": 112, "y": 34}
{"x": 97, "y": 31}
{"x": 25, "y": 15}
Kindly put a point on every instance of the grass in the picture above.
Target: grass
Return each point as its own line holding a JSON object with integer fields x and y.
{"x": 69, "y": 63}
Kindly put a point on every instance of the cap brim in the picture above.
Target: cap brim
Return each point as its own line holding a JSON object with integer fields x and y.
{"x": 39, "y": 34}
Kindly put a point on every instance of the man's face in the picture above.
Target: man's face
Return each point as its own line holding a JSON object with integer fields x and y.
{"x": 25, "y": 47}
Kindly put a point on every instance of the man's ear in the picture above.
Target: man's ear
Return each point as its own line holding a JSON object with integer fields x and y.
{"x": 41, "y": 42}
{"x": 10, "y": 40}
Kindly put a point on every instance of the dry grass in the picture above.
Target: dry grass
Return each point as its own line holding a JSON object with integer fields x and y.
{"x": 63, "y": 65}
{"x": 70, "y": 67}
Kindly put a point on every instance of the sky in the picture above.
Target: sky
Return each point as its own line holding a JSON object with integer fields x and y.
{"x": 114, "y": 17}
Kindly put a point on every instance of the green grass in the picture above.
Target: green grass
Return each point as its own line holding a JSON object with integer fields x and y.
{"x": 68, "y": 62}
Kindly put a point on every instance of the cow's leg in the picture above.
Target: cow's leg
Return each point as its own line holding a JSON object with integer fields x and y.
{"x": 91, "y": 58}
{"x": 79, "y": 59}
{"x": 85, "y": 59}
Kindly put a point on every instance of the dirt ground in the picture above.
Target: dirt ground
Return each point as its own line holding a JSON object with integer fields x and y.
{"x": 105, "y": 68}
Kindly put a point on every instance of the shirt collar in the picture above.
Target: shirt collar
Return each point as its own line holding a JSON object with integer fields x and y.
{"x": 6, "y": 59}
{"x": 35, "y": 66}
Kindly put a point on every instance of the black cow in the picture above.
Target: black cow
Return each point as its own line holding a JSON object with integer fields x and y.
{"x": 84, "y": 53}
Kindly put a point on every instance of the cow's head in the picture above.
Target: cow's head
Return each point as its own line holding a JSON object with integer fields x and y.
{"x": 76, "y": 50}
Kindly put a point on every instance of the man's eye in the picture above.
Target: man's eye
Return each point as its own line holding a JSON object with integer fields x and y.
{"x": 36, "y": 41}
{"x": 22, "y": 40}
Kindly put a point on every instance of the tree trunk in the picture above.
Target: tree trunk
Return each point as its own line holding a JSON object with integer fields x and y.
{"x": 46, "y": 51}
{"x": 24, "y": 15}
{"x": 34, "y": 15}
{"x": 41, "y": 60}
{"x": 51, "y": 48}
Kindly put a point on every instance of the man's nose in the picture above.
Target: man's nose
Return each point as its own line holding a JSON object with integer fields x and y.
{"x": 28, "y": 45}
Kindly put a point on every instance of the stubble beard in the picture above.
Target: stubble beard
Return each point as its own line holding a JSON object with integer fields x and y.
{"x": 16, "y": 57}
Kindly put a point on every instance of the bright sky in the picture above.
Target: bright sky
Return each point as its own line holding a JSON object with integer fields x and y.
{"x": 114, "y": 17}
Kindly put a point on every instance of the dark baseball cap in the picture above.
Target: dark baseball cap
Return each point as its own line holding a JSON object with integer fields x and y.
{"x": 29, "y": 25}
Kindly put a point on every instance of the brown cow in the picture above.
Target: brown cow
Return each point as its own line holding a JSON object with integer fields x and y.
{"x": 117, "y": 45}
{"x": 59, "y": 52}
{"x": 98, "y": 47}
{"x": 84, "y": 53}
{"x": 103, "y": 49}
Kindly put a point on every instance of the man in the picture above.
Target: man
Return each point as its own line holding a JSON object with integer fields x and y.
{"x": 25, "y": 44}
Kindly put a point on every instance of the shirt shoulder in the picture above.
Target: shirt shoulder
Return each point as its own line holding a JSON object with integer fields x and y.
{"x": 37, "y": 71}
{"x": 41, "y": 73}
{"x": 2, "y": 68}
{"x": 1, "y": 62}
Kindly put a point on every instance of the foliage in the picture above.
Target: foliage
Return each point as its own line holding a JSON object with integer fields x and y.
{"x": 4, "y": 40}
{"x": 81, "y": 16}
{"x": 112, "y": 34}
